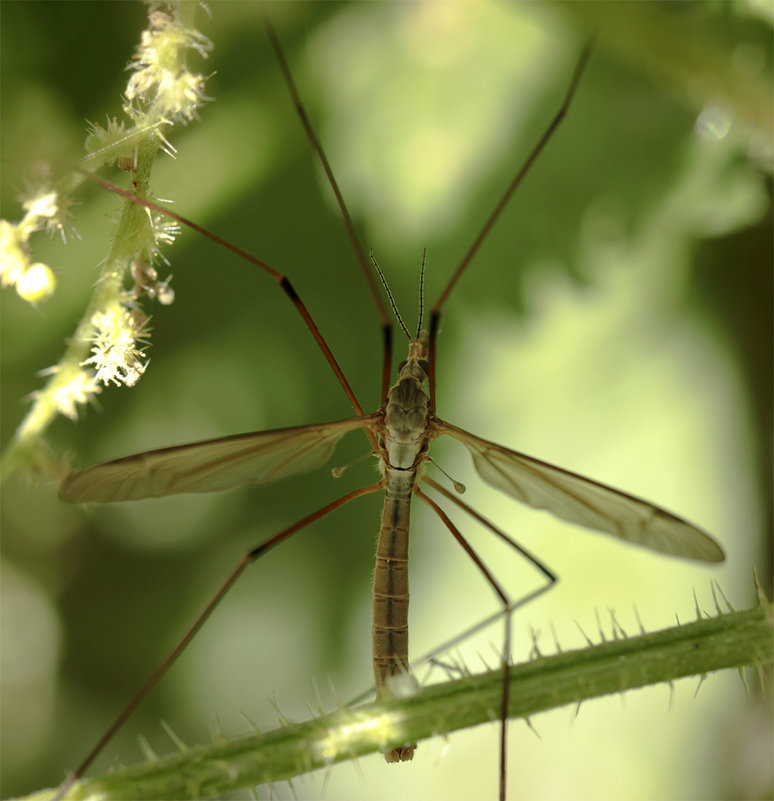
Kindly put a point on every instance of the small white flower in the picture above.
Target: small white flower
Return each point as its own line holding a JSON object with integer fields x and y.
{"x": 71, "y": 387}
{"x": 42, "y": 206}
{"x": 33, "y": 282}
{"x": 161, "y": 80}
{"x": 36, "y": 283}
{"x": 116, "y": 351}
{"x": 14, "y": 256}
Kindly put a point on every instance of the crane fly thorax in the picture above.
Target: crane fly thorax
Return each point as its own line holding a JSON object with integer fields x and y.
{"x": 407, "y": 410}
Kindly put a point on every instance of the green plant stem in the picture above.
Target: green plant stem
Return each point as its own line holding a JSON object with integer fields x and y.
{"x": 732, "y": 640}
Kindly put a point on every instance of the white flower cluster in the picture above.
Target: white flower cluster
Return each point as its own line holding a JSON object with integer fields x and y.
{"x": 119, "y": 334}
{"x": 109, "y": 344}
{"x": 161, "y": 83}
{"x": 34, "y": 281}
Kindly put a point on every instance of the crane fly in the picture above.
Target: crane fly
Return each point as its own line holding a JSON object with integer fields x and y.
{"x": 401, "y": 433}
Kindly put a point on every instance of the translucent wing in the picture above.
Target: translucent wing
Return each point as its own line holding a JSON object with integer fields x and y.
{"x": 209, "y": 466}
{"x": 586, "y": 502}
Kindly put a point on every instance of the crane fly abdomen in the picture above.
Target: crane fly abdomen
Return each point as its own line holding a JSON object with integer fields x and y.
{"x": 391, "y": 592}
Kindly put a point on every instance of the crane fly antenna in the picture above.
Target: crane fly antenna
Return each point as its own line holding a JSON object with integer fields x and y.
{"x": 392, "y": 299}
{"x": 389, "y": 294}
{"x": 421, "y": 292}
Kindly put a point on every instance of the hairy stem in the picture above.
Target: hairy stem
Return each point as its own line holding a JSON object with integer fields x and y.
{"x": 732, "y": 640}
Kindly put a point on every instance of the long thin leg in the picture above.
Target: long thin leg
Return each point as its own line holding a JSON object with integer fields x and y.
{"x": 447, "y": 645}
{"x": 507, "y": 637}
{"x": 281, "y": 279}
{"x": 250, "y": 557}
{"x": 507, "y": 611}
{"x": 435, "y": 314}
{"x": 384, "y": 317}
{"x": 523, "y": 601}
{"x": 539, "y": 564}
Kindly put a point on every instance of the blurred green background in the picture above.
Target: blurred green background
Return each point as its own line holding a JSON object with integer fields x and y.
{"x": 617, "y": 322}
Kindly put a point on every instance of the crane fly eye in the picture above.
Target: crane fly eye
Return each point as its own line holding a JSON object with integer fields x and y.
{"x": 402, "y": 365}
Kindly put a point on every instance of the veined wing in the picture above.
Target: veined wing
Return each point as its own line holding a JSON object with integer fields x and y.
{"x": 588, "y": 503}
{"x": 209, "y": 466}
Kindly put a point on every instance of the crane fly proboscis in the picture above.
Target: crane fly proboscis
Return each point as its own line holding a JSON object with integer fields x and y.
{"x": 484, "y": 461}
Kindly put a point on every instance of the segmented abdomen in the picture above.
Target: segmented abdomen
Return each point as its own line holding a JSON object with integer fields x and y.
{"x": 391, "y": 594}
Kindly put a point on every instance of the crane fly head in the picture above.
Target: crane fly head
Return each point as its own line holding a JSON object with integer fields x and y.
{"x": 416, "y": 365}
